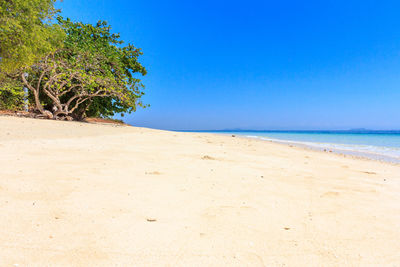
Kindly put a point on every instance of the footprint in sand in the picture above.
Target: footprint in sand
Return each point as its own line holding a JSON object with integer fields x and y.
{"x": 370, "y": 172}
{"x": 153, "y": 173}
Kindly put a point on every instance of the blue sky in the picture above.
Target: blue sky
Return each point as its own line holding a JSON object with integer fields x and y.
{"x": 260, "y": 64}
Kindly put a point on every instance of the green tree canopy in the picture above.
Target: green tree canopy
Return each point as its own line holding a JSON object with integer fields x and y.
{"x": 92, "y": 71}
{"x": 26, "y": 33}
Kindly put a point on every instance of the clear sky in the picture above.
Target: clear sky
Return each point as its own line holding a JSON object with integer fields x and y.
{"x": 260, "y": 64}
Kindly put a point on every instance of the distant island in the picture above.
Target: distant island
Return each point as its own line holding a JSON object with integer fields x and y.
{"x": 353, "y": 131}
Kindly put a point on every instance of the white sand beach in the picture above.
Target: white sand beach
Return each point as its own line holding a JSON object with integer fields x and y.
{"x": 78, "y": 194}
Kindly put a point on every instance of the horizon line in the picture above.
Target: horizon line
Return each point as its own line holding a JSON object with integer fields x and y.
{"x": 360, "y": 130}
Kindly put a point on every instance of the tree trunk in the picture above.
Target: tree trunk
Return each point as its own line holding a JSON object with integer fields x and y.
{"x": 35, "y": 92}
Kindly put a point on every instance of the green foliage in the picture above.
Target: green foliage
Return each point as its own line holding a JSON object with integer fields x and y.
{"x": 118, "y": 64}
{"x": 25, "y": 32}
{"x": 92, "y": 73}
{"x": 11, "y": 95}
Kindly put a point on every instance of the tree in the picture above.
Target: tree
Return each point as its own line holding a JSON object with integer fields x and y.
{"x": 26, "y": 33}
{"x": 92, "y": 69}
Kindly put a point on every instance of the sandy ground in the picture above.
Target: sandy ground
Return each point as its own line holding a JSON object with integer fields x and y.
{"x": 76, "y": 194}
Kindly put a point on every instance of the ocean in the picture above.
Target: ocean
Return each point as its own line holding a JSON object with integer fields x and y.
{"x": 378, "y": 145}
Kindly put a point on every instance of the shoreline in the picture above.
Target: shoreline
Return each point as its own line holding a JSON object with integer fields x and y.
{"x": 329, "y": 149}
{"x": 298, "y": 144}
{"x": 342, "y": 152}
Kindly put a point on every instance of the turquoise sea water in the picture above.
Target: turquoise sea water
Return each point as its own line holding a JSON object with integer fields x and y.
{"x": 376, "y": 145}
